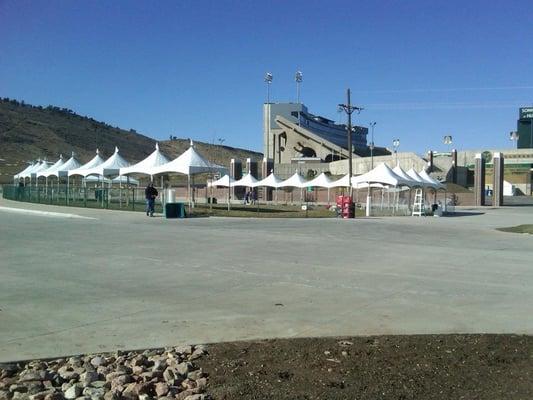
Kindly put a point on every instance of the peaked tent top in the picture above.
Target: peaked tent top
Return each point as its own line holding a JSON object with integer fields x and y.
{"x": 381, "y": 174}
{"x": 425, "y": 176}
{"x": 189, "y": 163}
{"x": 147, "y": 165}
{"x": 270, "y": 181}
{"x": 247, "y": 180}
{"x": 414, "y": 175}
{"x": 47, "y": 172}
{"x": 342, "y": 182}
{"x": 40, "y": 166}
{"x": 295, "y": 180}
{"x": 109, "y": 167}
{"x": 225, "y": 181}
{"x": 321, "y": 180}
{"x": 24, "y": 171}
{"x": 400, "y": 172}
{"x": 94, "y": 162}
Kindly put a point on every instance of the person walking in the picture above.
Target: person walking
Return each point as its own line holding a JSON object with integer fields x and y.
{"x": 150, "y": 193}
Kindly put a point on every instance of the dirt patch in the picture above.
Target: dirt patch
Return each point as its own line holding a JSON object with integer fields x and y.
{"x": 381, "y": 367}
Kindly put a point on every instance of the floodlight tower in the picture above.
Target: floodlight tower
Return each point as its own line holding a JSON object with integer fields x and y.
{"x": 298, "y": 77}
{"x": 372, "y": 125}
{"x": 513, "y": 136}
{"x": 396, "y": 144}
{"x": 268, "y": 80}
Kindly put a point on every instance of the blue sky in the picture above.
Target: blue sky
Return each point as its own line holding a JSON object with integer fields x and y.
{"x": 421, "y": 69}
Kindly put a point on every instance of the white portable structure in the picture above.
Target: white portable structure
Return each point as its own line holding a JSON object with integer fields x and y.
{"x": 70, "y": 164}
{"x": 342, "y": 182}
{"x": 400, "y": 172}
{"x": 22, "y": 174}
{"x": 189, "y": 163}
{"x": 110, "y": 167}
{"x": 321, "y": 180}
{"x": 146, "y": 166}
{"x": 381, "y": 174}
{"x": 225, "y": 181}
{"x": 49, "y": 171}
{"x": 247, "y": 181}
{"x": 270, "y": 181}
{"x": 425, "y": 176}
{"x": 295, "y": 180}
{"x": 94, "y": 162}
{"x": 414, "y": 176}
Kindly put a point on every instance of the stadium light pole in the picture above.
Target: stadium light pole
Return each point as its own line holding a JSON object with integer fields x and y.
{"x": 396, "y": 144}
{"x": 268, "y": 80}
{"x": 372, "y": 125}
{"x": 298, "y": 77}
{"x": 513, "y": 136}
{"x": 349, "y": 109}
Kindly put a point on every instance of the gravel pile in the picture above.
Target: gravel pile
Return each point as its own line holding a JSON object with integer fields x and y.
{"x": 153, "y": 374}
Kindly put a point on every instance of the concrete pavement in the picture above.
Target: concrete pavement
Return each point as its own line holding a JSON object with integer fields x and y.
{"x": 123, "y": 281}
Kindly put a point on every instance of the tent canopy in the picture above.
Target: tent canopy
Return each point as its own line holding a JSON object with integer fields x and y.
{"x": 94, "y": 162}
{"x": 36, "y": 168}
{"x": 400, "y": 172}
{"x": 70, "y": 164}
{"x": 414, "y": 175}
{"x": 26, "y": 170}
{"x": 342, "y": 182}
{"x": 147, "y": 165}
{"x": 321, "y": 180}
{"x": 381, "y": 174}
{"x": 295, "y": 180}
{"x": 270, "y": 181}
{"x": 436, "y": 184}
{"x": 247, "y": 181}
{"x": 110, "y": 167}
{"x": 189, "y": 163}
{"x": 47, "y": 172}
{"x": 225, "y": 181}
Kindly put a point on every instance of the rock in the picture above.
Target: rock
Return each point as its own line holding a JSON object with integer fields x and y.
{"x": 183, "y": 395}
{"x": 34, "y": 387}
{"x": 103, "y": 370}
{"x": 8, "y": 370}
{"x": 41, "y": 395}
{"x": 98, "y": 361}
{"x": 169, "y": 376}
{"x": 17, "y": 387}
{"x": 145, "y": 397}
{"x": 20, "y": 396}
{"x": 194, "y": 375}
{"x": 54, "y": 396}
{"x": 67, "y": 373}
{"x": 183, "y": 368}
{"x": 29, "y": 375}
{"x": 75, "y": 361}
{"x": 197, "y": 353}
{"x": 121, "y": 380}
{"x": 159, "y": 365}
{"x": 123, "y": 369}
{"x": 196, "y": 397}
{"x": 131, "y": 391}
{"x": 183, "y": 350}
{"x": 98, "y": 384}
{"x": 161, "y": 389}
{"x": 201, "y": 383}
{"x": 188, "y": 384}
{"x": 72, "y": 392}
{"x": 94, "y": 393}
{"x": 88, "y": 377}
{"x": 5, "y": 394}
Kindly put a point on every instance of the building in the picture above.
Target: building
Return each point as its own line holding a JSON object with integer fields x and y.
{"x": 524, "y": 128}
{"x": 292, "y": 134}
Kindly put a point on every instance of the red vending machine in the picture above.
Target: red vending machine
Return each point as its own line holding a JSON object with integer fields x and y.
{"x": 346, "y": 206}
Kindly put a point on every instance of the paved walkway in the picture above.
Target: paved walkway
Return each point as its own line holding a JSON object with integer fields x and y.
{"x": 120, "y": 280}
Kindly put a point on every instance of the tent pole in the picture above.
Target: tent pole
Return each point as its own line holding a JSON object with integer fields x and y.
{"x": 120, "y": 191}
{"x": 229, "y": 190}
{"x": 189, "y": 190}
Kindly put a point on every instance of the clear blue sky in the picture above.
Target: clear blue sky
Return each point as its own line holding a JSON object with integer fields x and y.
{"x": 421, "y": 69}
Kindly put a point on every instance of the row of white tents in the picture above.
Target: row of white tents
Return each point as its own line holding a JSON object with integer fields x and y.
{"x": 188, "y": 163}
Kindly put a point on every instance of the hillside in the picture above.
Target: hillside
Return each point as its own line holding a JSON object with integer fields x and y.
{"x": 29, "y": 132}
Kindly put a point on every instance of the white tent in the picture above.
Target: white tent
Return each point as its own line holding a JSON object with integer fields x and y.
{"x": 22, "y": 174}
{"x": 110, "y": 167}
{"x": 94, "y": 162}
{"x": 381, "y": 174}
{"x": 270, "y": 181}
{"x": 400, "y": 172}
{"x": 118, "y": 179}
{"x": 189, "y": 163}
{"x": 247, "y": 181}
{"x": 225, "y": 181}
{"x": 342, "y": 182}
{"x": 414, "y": 176}
{"x": 36, "y": 168}
{"x": 47, "y": 172}
{"x": 425, "y": 176}
{"x": 295, "y": 180}
{"x": 321, "y": 180}
{"x": 146, "y": 166}
{"x": 70, "y": 164}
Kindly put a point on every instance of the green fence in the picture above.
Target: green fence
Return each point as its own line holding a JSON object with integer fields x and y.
{"x": 79, "y": 196}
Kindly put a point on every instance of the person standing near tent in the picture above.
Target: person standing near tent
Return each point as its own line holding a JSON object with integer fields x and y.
{"x": 150, "y": 193}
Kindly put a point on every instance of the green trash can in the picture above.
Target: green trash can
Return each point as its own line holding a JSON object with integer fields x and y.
{"x": 174, "y": 210}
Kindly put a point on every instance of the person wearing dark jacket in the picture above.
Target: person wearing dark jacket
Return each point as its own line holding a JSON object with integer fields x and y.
{"x": 150, "y": 193}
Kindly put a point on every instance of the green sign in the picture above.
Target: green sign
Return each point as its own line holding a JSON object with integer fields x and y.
{"x": 309, "y": 188}
{"x": 526, "y": 113}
